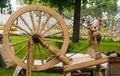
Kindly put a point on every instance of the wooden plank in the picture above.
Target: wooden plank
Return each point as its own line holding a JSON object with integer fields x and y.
{"x": 84, "y": 63}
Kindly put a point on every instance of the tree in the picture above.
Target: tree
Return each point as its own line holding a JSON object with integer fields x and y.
{"x": 3, "y": 4}
{"x": 76, "y": 26}
{"x": 28, "y": 1}
{"x": 97, "y": 7}
{"x": 9, "y": 7}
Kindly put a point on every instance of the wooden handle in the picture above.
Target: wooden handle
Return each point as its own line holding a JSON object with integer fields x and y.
{"x": 114, "y": 55}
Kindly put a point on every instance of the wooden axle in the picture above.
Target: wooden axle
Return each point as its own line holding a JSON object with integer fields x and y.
{"x": 53, "y": 50}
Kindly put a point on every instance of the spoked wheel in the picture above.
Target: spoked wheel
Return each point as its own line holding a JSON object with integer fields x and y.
{"x": 40, "y": 24}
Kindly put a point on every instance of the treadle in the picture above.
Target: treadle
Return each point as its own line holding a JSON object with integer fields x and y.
{"x": 84, "y": 62}
{"x": 82, "y": 74}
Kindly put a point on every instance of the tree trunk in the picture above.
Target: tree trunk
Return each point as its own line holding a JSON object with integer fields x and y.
{"x": 1, "y": 11}
{"x": 30, "y": 2}
{"x": 76, "y": 25}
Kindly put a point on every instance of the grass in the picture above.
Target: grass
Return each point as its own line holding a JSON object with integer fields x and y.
{"x": 10, "y": 71}
{"x": 108, "y": 46}
{"x": 105, "y": 46}
{"x": 81, "y": 46}
{"x": 6, "y": 72}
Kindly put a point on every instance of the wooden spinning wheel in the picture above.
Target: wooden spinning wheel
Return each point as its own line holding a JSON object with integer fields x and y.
{"x": 37, "y": 32}
{"x": 37, "y": 28}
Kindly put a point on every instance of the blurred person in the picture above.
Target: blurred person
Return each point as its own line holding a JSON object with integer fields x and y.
{"x": 96, "y": 23}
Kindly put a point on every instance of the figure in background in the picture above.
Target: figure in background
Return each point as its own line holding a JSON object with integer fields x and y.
{"x": 84, "y": 22}
{"x": 96, "y": 24}
{"x": 118, "y": 27}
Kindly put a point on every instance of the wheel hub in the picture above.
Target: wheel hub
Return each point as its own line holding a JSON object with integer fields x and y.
{"x": 35, "y": 38}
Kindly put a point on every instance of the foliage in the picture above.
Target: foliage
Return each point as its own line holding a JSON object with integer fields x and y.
{"x": 60, "y": 4}
{"x": 100, "y": 6}
{"x": 5, "y": 3}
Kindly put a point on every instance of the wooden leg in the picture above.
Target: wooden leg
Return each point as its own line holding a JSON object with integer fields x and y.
{"x": 67, "y": 74}
{"x": 29, "y": 59}
{"x": 98, "y": 71}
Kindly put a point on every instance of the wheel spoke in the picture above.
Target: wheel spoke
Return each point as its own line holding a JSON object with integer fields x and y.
{"x": 21, "y": 49}
{"x": 49, "y": 29}
{"x": 39, "y": 21}
{"x": 25, "y": 57}
{"x": 41, "y": 55}
{"x": 53, "y": 33}
{"x": 15, "y": 34}
{"x": 43, "y": 26}
{"x": 32, "y": 19}
{"x": 47, "y": 52}
{"x": 34, "y": 51}
{"x": 61, "y": 41}
{"x": 19, "y": 43}
{"x": 21, "y": 29}
{"x": 26, "y": 24}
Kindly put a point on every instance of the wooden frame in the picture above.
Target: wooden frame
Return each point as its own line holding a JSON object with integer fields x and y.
{"x": 35, "y": 30}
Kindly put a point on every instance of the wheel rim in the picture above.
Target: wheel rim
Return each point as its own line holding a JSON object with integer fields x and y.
{"x": 35, "y": 21}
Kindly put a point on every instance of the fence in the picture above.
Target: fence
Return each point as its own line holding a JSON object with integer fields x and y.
{"x": 108, "y": 25}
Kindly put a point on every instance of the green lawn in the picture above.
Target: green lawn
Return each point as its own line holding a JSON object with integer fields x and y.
{"x": 6, "y": 72}
{"x": 10, "y": 71}
{"x": 105, "y": 46}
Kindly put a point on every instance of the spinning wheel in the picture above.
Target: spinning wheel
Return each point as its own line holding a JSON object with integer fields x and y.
{"x": 37, "y": 28}
{"x": 37, "y": 32}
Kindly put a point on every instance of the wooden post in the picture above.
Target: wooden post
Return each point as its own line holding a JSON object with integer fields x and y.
{"x": 95, "y": 41}
{"x": 67, "y": 74}
{"x": 89, "y": 36}
{"x": 97, "y": 53}
{"x": 29, "y": 58}
{"x": 98, "y": 71}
